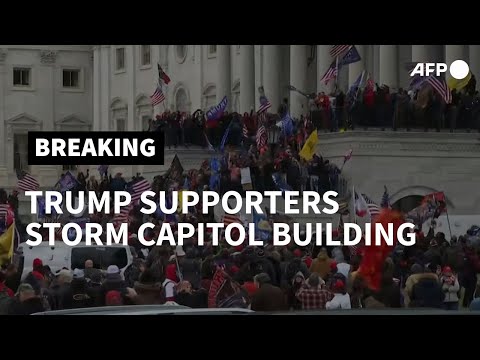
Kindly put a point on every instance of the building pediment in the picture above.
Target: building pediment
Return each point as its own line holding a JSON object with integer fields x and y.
{"x": 71, "y": 120}
{"x": 24, "y": 119}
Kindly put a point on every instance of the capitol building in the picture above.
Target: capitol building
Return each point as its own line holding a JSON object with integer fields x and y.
{"x": 108, "y": 87}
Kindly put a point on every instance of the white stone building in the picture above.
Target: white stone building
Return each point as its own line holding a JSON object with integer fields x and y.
{"x": 107, "y": 87}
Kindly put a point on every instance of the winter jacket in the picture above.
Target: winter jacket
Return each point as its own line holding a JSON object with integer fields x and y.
{"x": 450, "y": 290}
{"x": 27, "y": 307}
{"x": 269, "y": 298}
{"x": 148, "y": 294}
{"x": 321, "y": 265}
{"x": 427, "y": 293}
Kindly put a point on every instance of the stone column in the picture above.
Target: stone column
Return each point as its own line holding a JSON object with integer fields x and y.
{"x": 132, "y": 118}
{"x": 298, "y": 79}
{"x": 452, "y": 53}
{"x": 247, "y": 78}
{"x": 389, "y": 65}
{"x": 474, "y": 62}
{"x": 420, "y": 53}
{"x": 271, "y": 75}
{"x": 106, "y": 65}
{"x": 324, "y": 60}
{"x": 224, "y": 87}
{"x": 355, "y": 69}
{"x": 97, "y": 70}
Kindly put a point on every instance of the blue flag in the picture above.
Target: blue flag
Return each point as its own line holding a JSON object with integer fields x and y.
{"x": 280, "y": 183}
{"x": 215, "y": 176}
{"x": 215, "y": 112}
{"x": 350, "y": 57}
{"x": 260, "y": 233}
{"x": 356, "y": 84}
{"x": 67, "y": 182}
{"x": 287, "y": 125}
{"x": 225, "y": 138}
{"x": 41, "y": 207}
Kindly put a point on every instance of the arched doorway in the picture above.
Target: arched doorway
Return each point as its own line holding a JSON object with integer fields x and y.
{"x": 407, "y": 203}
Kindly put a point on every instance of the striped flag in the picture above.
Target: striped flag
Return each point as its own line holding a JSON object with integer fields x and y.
{"x": 264, "y": 105}
{"x": 441, "y": 87}
{"x": 230, "y": 219}
{"x": 337, "y": 50}
{"x": 330, "y": 74}
{"x": 162, "y": 76}
{"x": 245, "y": 131}
{"x": 158, "y": 97}
{"x": 27, "y": 182}
{"x": 373, "y": 208}
{"x": 123, "y": 216}
{"x": 137, "y": 188}
{"x": 262, "y": 137}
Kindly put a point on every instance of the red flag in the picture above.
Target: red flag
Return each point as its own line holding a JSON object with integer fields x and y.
{"x": 371, "y": 267}
{"x": 162, "y": 76}
{"x": 361, "y": 208}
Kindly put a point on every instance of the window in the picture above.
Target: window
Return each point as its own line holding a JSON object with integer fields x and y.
{"x": 71, "y": 78}
{"x": 101, "y": 256}
{"x": 20, "y": 152}
{"x": 21, "y": 77}
{"x": 120, "y": 59}
{"x": 145, "y": 54}
{"x": 181, "y": 53}
{"x": 145, "y": 122}
{"x": 120, "y": 124}
{"x": 212, "y": 49}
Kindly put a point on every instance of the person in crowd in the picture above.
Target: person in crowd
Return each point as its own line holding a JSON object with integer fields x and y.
{"x": 187, "y": 296}
{"x": 312, "y": 294}
{"x": 268, "y": 297}
{"x": 26, "y": 301}
{"x": 426, "y": 290}
{"x": 341, "y": 298}
{"x": 147, "y": 291}
{"x": 35, "y": 277}
{"x": 12, "y": 277}
{"x": 59, "y": 293}
{"x": 113, "y": 282}
{"x": 450, "y": 287}
{"x": 322, "y": 264}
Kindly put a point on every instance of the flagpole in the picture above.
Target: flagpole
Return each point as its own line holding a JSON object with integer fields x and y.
{"x": 336, "y": 77}
{"x": 448, "y": 219}
{"x": 353, "y": 205}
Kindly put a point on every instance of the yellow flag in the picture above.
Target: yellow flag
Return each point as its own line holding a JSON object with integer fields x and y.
{"x": 180, "y": 196}
{"x": 7, "y": 240}
{"x": 309, "y": 148}
{"x": 459, "y": 84}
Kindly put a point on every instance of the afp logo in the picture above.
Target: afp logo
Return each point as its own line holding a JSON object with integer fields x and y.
{"x": 459, "y": 69}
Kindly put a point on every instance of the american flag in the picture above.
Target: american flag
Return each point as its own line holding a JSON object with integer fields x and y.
{"x": 337, "y": 50}
{"x": 264, "y": 105}
{"x": 441, "y": 87}
{"x": 124, "y": 215}
{"x": 230, "y": 219}
{"x": 245, "y": 131}
{"x": 330, "y": 74}
{"x": 373, "y": 208}
{"x": 162, "y": 76}
{"x": 262, "y": 137}
{"x": 158, "y": 97}
{"x": 138, "y": 188}
{"x": 27, "y": 182}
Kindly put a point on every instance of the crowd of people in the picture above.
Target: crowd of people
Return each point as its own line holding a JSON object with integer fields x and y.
{"x": 435, "y": 273}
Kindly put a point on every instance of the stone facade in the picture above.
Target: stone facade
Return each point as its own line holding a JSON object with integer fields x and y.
{"x": 410, "y": 163}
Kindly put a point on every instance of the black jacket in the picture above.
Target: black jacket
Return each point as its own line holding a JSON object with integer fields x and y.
{"x": 27, "y": 307}
{"x": 427, "y": 293}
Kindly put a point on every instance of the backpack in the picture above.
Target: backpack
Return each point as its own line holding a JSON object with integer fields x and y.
{"x": 5, "y": 301}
